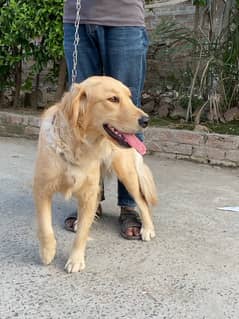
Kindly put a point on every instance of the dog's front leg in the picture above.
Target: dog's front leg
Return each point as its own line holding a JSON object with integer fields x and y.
{"x": 44, "y": 223}
{"x": 124, "y": 165}
{"x": 88, "y": 200}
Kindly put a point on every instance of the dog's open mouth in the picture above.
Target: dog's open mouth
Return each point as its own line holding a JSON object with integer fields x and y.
{"x": 125, "y": 139}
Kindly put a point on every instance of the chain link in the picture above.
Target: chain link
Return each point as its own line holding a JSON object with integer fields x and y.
{"x": 76, "y": 42}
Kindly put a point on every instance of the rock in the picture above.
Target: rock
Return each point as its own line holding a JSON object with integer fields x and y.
{"x": 166, "y": 99}
{"x": 175, "y": 94}
{"x": 178, "y": 113}
{"x": 231, "y": 114}
{"x": 163, "y": 110}
{"x": 33, "y": 99}
{"x": 4, "y": 100}
{"x": 201, "y": 128}
{"x": 146, "y": 98}
{"x": 167, "y": 94}
{"x": 148, "y": 107}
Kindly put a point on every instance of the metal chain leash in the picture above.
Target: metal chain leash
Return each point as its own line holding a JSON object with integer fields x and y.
{"x": 76, "y": 42}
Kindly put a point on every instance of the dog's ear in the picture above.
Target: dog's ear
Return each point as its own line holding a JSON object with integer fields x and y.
{"x": 78, "y": 105}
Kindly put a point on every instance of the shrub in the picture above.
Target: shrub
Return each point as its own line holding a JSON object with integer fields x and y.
{"x": 30, "y": 32}
{"x": 211, "y": 77}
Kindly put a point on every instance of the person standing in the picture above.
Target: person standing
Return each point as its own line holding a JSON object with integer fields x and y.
{"x": 113, "y": 42}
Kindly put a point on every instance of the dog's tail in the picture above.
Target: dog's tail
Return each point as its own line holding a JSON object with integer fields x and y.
{"x": 146, "y": 182}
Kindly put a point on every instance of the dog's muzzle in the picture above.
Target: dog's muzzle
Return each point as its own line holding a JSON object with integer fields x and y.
{"x": 143, "y": 121}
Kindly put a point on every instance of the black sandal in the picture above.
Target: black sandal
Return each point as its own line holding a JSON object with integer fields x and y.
{"x": 70, "y": 223}
{"x": 128, "y": 219}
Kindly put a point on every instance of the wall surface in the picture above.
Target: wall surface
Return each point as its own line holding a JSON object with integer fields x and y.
{"x": 205, "y": 148}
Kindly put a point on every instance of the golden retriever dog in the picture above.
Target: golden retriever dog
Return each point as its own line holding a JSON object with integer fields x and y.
{"x": 92, "y": 126}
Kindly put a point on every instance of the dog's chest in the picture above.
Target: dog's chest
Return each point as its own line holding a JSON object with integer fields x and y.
{"x": 74, "y": 177}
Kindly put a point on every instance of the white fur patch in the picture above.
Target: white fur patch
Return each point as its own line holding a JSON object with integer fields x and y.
{"x": 48, "y": 130}
{"x": 138, "y": 162}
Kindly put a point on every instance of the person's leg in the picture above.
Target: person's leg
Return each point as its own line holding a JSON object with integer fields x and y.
{"x": 88, "y": 59}
{"x": 89, "y": 63}
{"x": 125, "y": 60}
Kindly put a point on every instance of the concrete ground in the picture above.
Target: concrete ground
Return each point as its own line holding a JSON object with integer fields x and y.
{"x": 191, "y": 270}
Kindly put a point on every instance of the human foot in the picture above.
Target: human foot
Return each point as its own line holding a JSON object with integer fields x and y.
{"x": 70, "y": 222}
{"x": 130, "y": 223}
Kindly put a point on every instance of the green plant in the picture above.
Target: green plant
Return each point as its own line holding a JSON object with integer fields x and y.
{"x": 30, "y": 33}
{"x": 200, "y": 2}
{"x": 210, "y": 82}
{"x": 217, "y": 69}
{"x": 169, "y": 37}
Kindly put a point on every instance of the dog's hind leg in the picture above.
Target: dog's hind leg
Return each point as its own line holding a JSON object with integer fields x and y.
{"x": 88, "y": 198}
{"x": 128, "y": 173}
{"x": 45, "y": 230}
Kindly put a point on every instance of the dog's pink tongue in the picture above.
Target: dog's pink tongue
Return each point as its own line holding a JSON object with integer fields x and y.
{"x": 134, "y": 142}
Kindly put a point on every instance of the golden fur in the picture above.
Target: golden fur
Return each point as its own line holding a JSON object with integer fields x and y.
{"x": 73, "y": 146}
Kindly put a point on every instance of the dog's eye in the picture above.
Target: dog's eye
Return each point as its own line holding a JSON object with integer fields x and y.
{"x": 114, "y": 99}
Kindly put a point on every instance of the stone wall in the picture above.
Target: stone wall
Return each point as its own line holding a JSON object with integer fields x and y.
{"x": 167, "y": 143}
{"x": 168, "y": 64}
{"x": 182, "y": 13}
{"x": 18, "y": 125}
{"x": 205, "y": 148}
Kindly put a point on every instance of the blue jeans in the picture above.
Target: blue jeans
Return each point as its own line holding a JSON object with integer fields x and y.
{"x": 119, "y": 52}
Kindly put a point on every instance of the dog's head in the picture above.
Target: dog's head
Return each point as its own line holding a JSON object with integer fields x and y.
{"x": 104, "y": 105}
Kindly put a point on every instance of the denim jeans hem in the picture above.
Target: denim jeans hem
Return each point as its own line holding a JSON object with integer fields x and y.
{"x": 126, "y": 203}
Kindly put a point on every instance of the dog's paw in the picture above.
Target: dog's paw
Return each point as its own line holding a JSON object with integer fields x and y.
{"x": 75, "y": 265}
{"x": 147, "y": 233}
{"x": 47, "y": 254}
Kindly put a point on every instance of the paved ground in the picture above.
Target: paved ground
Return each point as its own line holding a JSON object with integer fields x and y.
{"x": 191, "y": 270}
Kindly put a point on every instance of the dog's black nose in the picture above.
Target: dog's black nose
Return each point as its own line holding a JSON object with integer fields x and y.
{"x": 144, "y": 121}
